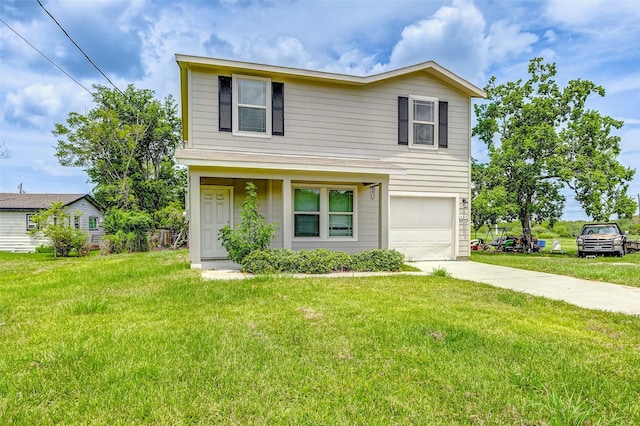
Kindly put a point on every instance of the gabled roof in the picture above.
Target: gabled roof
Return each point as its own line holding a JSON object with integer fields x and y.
{"x": 430, "y": 67}
{"x": 15, "y": 201}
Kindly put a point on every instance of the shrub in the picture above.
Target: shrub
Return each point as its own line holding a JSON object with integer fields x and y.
{"x": 320, "y": 261}
{"x": 126, "y": 231}
{"x": 377, "y": 260}
{"x": 252, "y": 233}
{"x": 44, "y": 249}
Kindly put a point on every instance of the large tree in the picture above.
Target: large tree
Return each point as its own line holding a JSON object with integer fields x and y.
{"x": 126, "y": 145}
{"x": 542, "y": 138}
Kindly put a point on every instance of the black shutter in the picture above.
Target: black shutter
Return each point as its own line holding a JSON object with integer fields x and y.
{"x": 277, "y": 109}
{"x": 443, "y": 121}
{"x": 403, "y": 120}
{"x": 225, "y": 106}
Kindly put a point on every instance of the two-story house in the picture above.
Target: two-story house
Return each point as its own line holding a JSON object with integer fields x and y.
{"x": 341, "y": 162}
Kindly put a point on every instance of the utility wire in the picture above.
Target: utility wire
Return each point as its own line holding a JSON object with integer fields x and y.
{"x": 82, "y": 51}
{"x": 45, "y": 56}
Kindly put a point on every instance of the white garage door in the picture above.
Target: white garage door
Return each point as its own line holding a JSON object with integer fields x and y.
{"x": 422, "y": 228}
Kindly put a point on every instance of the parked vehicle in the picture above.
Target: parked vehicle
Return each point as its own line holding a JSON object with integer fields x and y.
{"x": 601, "y": 239}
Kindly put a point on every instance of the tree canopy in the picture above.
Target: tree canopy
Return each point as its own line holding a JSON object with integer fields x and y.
{"x": 126, "y": 145}
{"x": 542, "y": 138}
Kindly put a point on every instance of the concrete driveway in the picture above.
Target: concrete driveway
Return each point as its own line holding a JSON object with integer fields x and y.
{"x": 584, "y": 293}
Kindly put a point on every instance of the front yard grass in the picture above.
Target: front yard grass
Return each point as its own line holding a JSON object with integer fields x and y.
{"x": 142, "y": 339}
{"x": 617, "y": 270}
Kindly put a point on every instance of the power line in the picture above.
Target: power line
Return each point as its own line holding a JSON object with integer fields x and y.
{"x": 45, "y": 56}
{"x": 82, "y": 51}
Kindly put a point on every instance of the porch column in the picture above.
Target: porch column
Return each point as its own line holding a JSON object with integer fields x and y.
{"x": 286, "y": 213}
{"x": 383, "y": 214}
{"x": 194, "y": 220}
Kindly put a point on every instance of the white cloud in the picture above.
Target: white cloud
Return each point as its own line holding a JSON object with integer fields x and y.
{"x": 50, "y": 168}
{"x": 32, "y": 103}
{"x": 507, "y": 40}
{"x": 550, "y": 36}
{"x": 456, "y": 36}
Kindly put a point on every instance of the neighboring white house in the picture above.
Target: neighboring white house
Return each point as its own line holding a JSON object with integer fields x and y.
{"x": 342, "y": 162}
{"x": 16, "y": 211}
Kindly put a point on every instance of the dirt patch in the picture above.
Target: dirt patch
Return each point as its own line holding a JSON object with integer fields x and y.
{"x": 310, "y": 313}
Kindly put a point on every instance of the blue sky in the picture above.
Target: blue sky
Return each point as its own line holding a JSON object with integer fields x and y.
{"x": 134, "y": 42}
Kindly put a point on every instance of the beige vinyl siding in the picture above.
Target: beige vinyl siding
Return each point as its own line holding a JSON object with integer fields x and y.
{"x": 352, "y": 121}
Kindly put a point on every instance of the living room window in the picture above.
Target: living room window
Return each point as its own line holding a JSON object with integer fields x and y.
{"x": 324, "y": 212}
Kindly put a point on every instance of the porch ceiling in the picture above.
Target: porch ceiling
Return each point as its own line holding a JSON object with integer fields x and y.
{"x": 241, "y": 160}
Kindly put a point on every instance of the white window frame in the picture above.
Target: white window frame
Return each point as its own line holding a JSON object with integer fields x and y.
{"x": 412, "y": 99}
{"x": 96, "y": 221}
{"x": 31, "y": 225}
{"x": 324, "y": 212}
{"x": 235, "y": 106}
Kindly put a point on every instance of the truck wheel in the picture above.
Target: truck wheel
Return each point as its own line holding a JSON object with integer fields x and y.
{"x": 580, "y": 253}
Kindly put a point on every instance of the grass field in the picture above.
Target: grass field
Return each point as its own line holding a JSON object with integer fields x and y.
{"x": 141, "y": 339}
{"x": 624, "y": 270}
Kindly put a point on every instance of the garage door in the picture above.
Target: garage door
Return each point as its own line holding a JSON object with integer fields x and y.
{"x": 422, "y": 228}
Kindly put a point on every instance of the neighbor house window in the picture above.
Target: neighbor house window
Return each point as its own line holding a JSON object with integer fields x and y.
{"x": 423, "y": 122}
{"x": 324, "y": 212}
{"x": 93, "y": 223}
{"x": 31, "y": 225}
{"x": 252, "y": 105}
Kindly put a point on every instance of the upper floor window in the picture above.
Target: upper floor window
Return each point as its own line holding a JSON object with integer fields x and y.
{"x": 422, "y": 116}
{"x": 250, "y": 106}
{"x": 423, "y": 122}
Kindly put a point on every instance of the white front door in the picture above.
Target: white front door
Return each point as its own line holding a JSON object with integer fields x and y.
{"x": 215, "y": 213}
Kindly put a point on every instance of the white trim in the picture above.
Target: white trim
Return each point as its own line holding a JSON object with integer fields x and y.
{"x": 189, "y": 144}
{"x": 235, "y": 105}
{"x": 281, "y": 162}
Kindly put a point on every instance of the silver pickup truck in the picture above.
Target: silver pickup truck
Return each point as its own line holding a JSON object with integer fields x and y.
{"x": 601, "y": 239}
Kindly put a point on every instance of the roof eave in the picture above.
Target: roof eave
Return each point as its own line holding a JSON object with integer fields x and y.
{"x": 230, "y": 66}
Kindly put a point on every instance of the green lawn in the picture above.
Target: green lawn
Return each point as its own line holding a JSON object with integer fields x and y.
{"x": 142, "y": 339}
{"x": 624, "y": 270}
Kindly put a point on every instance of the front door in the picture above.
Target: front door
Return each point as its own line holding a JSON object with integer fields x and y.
{"x": 215, "y": 213}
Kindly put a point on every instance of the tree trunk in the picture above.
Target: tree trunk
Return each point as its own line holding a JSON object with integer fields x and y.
{"x": 526, "y": 234}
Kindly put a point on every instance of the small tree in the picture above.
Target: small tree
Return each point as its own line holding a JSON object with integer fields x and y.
{"x": 252, "y": 233}
{"x": 55, "y": 223}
